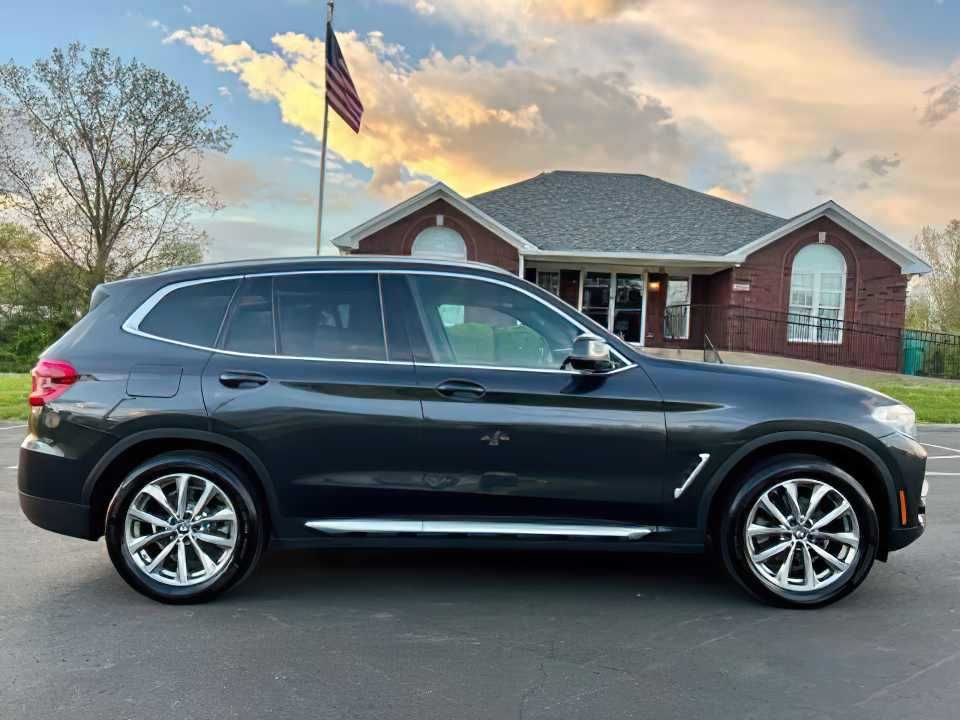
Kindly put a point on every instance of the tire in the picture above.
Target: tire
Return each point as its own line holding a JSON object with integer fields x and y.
{"x": 171, "y": 568}
{"x": 754, "y": 562}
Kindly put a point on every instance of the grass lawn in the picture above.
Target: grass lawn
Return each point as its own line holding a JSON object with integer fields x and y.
{"x": 13, "y": 396}
{"x": 933, "y": 402}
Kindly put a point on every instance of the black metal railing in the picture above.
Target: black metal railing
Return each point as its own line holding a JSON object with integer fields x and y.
{"x": 821, "y": 339}
{"x": 710, "y": 352}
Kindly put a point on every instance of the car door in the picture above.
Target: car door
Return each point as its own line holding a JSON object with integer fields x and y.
{"x": 306, "y": 377}
{"x": 508, "y": 432}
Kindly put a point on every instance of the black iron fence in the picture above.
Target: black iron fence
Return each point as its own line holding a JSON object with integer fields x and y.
{"x": 821, "y": 339}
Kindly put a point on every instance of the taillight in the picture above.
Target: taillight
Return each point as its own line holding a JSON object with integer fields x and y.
{"x": 51, "y": 379}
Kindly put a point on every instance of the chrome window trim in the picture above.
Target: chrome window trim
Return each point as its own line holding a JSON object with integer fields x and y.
{"x": 132, "y": 323}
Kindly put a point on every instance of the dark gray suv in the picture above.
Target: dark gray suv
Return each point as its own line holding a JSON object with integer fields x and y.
{"x": 194, "y": 415}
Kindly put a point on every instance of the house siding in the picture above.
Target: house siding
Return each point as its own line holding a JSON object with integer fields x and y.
{"x": 875, "y": 293}
{"x": 482, "y": 245}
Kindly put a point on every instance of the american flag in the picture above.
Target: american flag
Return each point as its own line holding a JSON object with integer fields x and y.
{"x": 341, "y": 93}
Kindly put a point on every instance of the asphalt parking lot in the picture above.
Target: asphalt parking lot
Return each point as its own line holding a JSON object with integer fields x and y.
{"x": 476, "y": 634}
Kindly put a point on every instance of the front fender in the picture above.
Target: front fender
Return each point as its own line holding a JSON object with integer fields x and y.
{"x": 756, "y": 446}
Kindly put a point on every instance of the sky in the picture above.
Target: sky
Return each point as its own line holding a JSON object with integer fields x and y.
{"x": 780, "y": 104}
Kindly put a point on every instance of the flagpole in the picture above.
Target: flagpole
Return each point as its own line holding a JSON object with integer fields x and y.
{"x": 323, "y": 153}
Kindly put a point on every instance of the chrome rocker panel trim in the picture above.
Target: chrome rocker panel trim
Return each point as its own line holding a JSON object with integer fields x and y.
{"x": 462, "y": 527}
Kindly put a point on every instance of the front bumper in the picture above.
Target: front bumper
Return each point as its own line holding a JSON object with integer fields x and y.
{"x": 910, "y": 488}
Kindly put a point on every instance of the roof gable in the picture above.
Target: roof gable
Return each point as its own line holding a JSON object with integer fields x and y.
{"x": 438, "y": 191}
{"x": 910, "y": 263}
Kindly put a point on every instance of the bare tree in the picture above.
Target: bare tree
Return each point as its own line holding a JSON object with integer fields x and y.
{"x": 942, "y": 286}
{"x": 101, "y": 158}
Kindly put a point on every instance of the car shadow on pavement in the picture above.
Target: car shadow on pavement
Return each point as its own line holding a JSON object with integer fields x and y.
{"x": 453, "y": 574}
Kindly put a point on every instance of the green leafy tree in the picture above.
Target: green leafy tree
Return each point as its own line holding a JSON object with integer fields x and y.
{"x": 101, "y": 158}
{"x": 941, "y": 288}
{"x": 41, "y": 296}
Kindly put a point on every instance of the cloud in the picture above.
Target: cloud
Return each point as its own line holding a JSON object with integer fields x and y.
{"x": 580, "y": 10}
{"x": 728, "y": 194}
{"x": 834, "y": 155}
{"x": 237, "y": 239}
{"x": 424, "y": 8}
{"x": 224, "y": 91}
{"x": 471, "y": 122}
{"x": 187, "y": 9}
{"x": 675, "y": 89}
{"x": 881, "y": 164}
{"x": 157, "y": 25}
{"x": 238, "y": 183}
{"x": 943, "y": 100}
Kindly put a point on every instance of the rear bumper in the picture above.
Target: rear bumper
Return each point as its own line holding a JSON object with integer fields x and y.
{"x": 58, "y": 516}
{"x": 50, "y": 489}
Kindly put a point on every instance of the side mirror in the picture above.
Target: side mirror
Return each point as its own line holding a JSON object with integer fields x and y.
{"x": 589, "y": 354}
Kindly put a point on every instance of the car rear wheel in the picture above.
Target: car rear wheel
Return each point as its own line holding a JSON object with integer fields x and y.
{"x": 184, "y": 527}
{"x": 800, "y": 532}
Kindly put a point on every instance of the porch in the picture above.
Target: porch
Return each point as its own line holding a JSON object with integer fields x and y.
{"x": 643, "y": 304}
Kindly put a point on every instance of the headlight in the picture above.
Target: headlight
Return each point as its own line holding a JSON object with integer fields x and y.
{"x": 899, "y": 417}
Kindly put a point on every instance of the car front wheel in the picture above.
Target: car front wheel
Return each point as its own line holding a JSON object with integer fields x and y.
{"x": 801, "y": 532}
{"x": 184, "y": 527}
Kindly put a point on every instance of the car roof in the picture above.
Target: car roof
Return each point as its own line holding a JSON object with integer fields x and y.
{"x": 322, "y": 262}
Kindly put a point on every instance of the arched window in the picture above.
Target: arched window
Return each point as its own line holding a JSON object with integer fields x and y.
{"x": 817, "y": 283}
{"x": 440, "y": 242}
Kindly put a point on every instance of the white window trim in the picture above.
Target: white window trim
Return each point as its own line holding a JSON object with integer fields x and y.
{"x": 666, "y": 290}
{"x": 448, "y": 232}
{"x": 816, "y": 306}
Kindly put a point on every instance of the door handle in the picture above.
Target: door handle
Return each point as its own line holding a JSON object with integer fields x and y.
{"x": 463, "y": 390}
{"x": 242, "y": 380}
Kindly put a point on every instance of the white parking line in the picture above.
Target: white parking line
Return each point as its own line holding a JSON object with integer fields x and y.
{"x": 11, "y": 467}
{"x": 941, "y": 447}
{"x": 942, "y": 457}
{"x": 13, "y": 427}
{"x": 957, "y": 474}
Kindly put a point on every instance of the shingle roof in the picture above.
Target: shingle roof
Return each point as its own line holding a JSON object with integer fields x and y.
{"x": 617, "y": 212}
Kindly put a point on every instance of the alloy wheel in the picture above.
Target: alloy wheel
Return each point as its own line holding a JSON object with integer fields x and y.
{"x": 181, "y": 529}
{"x": 801, "y": 535}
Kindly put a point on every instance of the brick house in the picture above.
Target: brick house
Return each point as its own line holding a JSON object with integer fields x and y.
{"x": 663, "y": 265}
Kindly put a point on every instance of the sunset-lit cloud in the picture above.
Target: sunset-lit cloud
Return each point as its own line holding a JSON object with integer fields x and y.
{"x": 775, "y": 104}
{"x": 469, "y": 122}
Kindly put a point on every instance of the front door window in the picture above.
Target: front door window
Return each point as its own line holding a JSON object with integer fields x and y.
{"x": 469, "y": 322}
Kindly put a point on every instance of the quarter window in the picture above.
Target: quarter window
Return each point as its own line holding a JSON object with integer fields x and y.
{"x": 191, "y": 314}
{"x": 334, "y": 316}
{"x": 470, "y": 322}
{"x": 817, "y": 284}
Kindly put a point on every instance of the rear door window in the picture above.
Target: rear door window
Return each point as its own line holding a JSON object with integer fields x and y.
{"x": 191, "y": 314}
{"x": 250, "y": 325}
{"x": 330, "y": 315}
